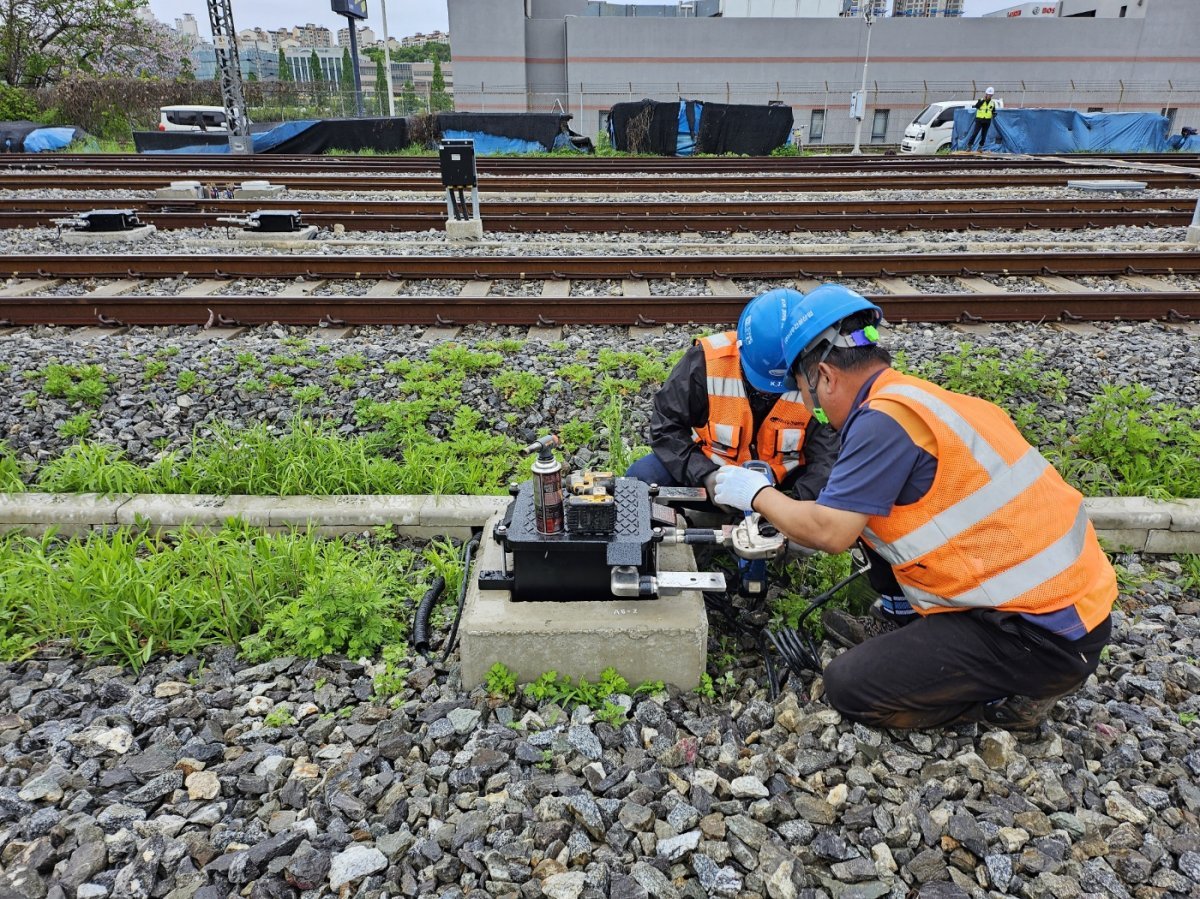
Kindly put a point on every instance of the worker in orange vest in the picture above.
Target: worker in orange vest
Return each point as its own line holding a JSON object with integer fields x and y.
{"x": 995, "y": 594}
{"x": 731, "y": 398}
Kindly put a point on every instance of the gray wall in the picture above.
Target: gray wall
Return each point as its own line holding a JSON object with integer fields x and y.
{"x": 814, "y": 64}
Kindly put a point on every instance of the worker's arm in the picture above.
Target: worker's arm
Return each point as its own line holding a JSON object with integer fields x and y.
{"x": 809, "y": 523}
{"x": 821, "y": 445}
{"x": 680, "y": 405}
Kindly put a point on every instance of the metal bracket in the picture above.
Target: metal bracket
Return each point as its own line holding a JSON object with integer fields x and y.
{"x": 673, "y": 582}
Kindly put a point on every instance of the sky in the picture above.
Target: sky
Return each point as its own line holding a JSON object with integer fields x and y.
{"x": 404, "y": 16}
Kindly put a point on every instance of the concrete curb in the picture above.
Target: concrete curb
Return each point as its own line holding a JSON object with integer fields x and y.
{"x": 1131, "y": 524}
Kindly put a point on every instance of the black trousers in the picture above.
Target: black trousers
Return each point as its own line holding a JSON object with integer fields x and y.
{"x": 980, "y": 127}
{"x": 944, "y": 668}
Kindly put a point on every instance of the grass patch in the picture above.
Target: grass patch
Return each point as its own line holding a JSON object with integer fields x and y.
{"x": 131, "y": 595}
{"x": 10, "y": 472}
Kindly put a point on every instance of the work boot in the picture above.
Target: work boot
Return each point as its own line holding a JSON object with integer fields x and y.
{"x": 1019, "y": 712}
{"x": 849, "y": 630}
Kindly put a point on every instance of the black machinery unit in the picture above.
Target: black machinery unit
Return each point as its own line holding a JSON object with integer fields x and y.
{"x": 574, "y": 565}
{"x": 109, "y": 220}
{"x": 457, "y": 160}
{"x": 274, "y": 221}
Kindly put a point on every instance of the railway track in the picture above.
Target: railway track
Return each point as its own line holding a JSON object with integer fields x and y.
{"x": 593, "y": 165}
{"x": 298, "y": 309}
{"x": 572, "y": 184}
{"x": 825, "y": 266}
{"x": 544, "y": 217}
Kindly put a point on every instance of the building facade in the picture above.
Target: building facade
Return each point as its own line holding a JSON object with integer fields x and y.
{"x": 366, "y": 37}
{"x": 538, "y": 55}
{"x": 928, "y": 8}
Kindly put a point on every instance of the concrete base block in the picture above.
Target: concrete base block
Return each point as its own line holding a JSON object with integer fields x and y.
{"x": 1123, "y": 539}
{"x": 1173, "y": 542}
{"x": 180, "y": 190}
{"x": 66, "y": 510}
{"x": 272, "y": 238}
{"x": 1193, "y": 235}
{"x": 258, "y": 193}
{"x": 471, "y": 229}
{"x": 168, "y": 511}
{"x": 1127, "y": 512}
{"x": 88, "y": 238}
{"x": 645, "y": 640}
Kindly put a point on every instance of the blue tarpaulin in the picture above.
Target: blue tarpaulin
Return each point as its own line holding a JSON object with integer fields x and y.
{"x": 48, "y": 139}
{"x": 1189, "y": 144}
{"x": 262, "y": 142}
{"x": 685, "y": 142}
{"x": 491, "y": 144}
{"x": 1067, "y": 131}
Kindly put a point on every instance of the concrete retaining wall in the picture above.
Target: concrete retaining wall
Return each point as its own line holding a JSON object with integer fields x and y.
{"x": 1132, "y": 524}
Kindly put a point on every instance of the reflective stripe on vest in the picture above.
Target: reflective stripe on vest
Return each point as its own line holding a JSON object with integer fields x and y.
{"x": 728, "y": 436}
{"x": 1006, "y": 484}
{"x": 1018, "y": 580}
{"x": 726, "y": 387}
{"x": 1000, "y": 528}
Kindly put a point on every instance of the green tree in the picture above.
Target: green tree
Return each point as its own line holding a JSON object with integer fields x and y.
{"x": 314, "y": 63}
{"x": 43, "y": 41}
{"x": 381, "y": 87}
{"x": 439, "y": 100}
{"x": 409, "y": 101}
{"x": 285, "y": 69}
{"x": 346, "y": 82}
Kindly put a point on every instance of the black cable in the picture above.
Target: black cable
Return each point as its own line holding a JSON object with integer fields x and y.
{"x": 420, "y": 628}
{"x": 468, "y": 551}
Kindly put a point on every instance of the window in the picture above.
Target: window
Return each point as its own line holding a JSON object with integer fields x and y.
{"x": 603, "y": 124}
{"x": 879, "y": 124}
{"x": 1121, "y": 15}
{"x": 1169, "y": 112}
{"x": 1095, "y": 109}
{"x": 816, "y": 126}
{"x": 926, "y": 115}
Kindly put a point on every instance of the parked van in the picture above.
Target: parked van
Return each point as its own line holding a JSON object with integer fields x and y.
{"x": 933, "y": 129}
{"x": 193, "y": 118}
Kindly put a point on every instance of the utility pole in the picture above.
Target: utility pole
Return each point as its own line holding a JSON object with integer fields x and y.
{"x": 353, "y": 10}
{"x": 387, "y": 62}
{"x": 229, "y": 67}
{"x": 858, "y": 104}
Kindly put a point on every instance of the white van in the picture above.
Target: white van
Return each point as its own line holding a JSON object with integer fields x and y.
{"x": 933, "y": 129}
{"x": 193, "y": 118}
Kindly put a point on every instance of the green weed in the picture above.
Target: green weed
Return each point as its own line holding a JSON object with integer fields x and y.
{"x": 87, "y": 384}
{"x": 501, "y": 682}
{"x": 622, "y": 451}
{"x": 520, "y": 388}
{"x": 11, "y": 470}
{"x": 155, "y": 368}
{"x": 76, "y": 426}
{"x": 187, "y": 380}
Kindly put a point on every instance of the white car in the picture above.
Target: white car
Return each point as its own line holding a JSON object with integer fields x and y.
{"x": 193, "y": 118}
{"x": 933, "y": 129}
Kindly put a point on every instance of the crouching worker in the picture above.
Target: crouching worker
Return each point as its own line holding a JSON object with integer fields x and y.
{"x": 731, "y": 398}
{"x": 1005, "y": 594}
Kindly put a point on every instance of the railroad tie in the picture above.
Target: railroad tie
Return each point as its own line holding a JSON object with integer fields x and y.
{"x": 1059, "y": 284}
{"x": 203, "y": 289}
{"x": 635, "y": 287}
{"x": 546, "y": 334}
{"x": 475, "y": 289}
{"x": 1142, "y": 282}
{"x": 556, "y": 290}
{"x": 112, "y": 288}
{"x": 25, "y": 288}
{"x": 723, "y": 287}
{"x": 437, "y": 334}
{"x": 898, "y": 287}
{"x": 981, "y": 285}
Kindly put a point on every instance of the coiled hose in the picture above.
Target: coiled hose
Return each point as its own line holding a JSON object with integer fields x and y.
{"x": 420, "y": 628}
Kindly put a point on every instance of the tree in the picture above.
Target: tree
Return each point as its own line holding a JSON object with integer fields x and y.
{"x": 381, "y": 86}
{"x": 285, "y": 69}
{"x": 314, "y": 63}
{"x": 439, "y": 100}
{"x": 44, "y": 41}
{"x": 409, "y": 101}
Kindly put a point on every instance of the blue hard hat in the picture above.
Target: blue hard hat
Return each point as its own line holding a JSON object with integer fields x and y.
{"x": 817, "y": 316}
{"x": 760, "y": 340}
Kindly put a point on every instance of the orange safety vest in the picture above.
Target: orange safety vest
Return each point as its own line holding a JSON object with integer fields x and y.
{"x": 999, "y": 528}
{"x": 729, "y": 438}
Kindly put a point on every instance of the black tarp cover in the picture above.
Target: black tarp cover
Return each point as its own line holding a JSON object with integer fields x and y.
{"x": 743, "y": 129}
{"x": 655, "y": 127}
{"x": 540, "y": 127}
{"x": 724, "y": 128}
{"x": 331, "y": 134}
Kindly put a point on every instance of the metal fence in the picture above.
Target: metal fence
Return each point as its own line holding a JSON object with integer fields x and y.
{"x": 821, "y": 109}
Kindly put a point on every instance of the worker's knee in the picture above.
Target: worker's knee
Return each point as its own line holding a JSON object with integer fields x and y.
{"x": 843, "y": 687}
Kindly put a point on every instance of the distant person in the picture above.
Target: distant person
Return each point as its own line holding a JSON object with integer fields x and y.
{"x": 985, "y": 111}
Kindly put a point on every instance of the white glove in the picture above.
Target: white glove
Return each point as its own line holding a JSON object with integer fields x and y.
{"x": 738, "y": 486}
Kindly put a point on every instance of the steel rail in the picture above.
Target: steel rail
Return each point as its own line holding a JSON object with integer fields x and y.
{"x": 192, "y": 162}
{"x": 700, "y": 223}
{"x": 208, "y": 311}
{"x": 530, "y": 208}
{"x": 669, "y": 218}
{"x": 598, "y": 267}
{"x": 648, "y": 183}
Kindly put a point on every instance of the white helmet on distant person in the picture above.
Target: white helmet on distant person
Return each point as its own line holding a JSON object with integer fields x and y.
{"x": 990, "y": 91}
